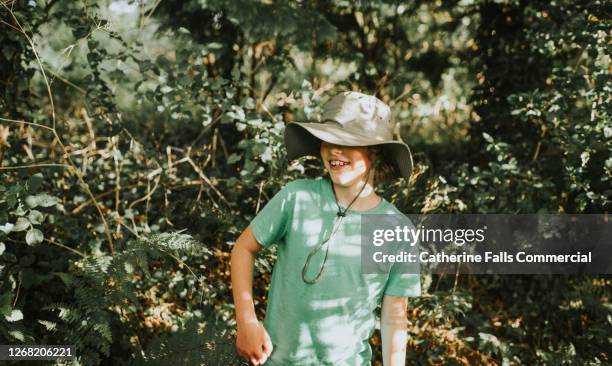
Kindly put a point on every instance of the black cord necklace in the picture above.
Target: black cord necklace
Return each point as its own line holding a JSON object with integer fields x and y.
{"x": 339, "y": 216}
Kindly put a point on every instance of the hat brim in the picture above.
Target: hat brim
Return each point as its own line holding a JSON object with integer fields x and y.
{"x": 302, "y": 139}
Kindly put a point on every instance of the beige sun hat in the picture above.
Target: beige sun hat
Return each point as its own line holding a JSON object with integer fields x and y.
{"x": 350, "y": 119}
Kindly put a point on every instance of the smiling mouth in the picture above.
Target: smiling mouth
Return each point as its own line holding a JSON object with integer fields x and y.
{"x": 338, "y": 163}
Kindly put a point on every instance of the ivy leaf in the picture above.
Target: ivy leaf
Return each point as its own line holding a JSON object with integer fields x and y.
{"x": 2, "y": 247}
{"x": 487, "y": 137}
{"x": 266, "y": 155}
{"x": 233, "y": 158}
{"x": 19, "y": 211}
{"x": 6, "y": 228}
{"x": 36, "y": 217}
{"x": 21, "y": 224}
{"x": 44, "y": 200}
{"x": 237, "y": 113}
{"x": 34, "y": 236}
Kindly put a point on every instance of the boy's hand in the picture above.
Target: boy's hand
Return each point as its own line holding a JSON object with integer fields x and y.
{"x": 253, "y": 342}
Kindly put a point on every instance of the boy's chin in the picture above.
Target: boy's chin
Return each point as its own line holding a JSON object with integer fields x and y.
{"x": 345, "y": 179}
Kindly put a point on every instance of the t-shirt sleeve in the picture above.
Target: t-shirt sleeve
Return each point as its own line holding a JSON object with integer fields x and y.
{"x": 272, "y": 222}
{"x": 405, "y": 279}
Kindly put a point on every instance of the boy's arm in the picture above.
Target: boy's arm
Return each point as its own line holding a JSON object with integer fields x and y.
{"x": 253, "y": 341}
{"x": 394, "y": 330}
{"x": 241, "y": 266}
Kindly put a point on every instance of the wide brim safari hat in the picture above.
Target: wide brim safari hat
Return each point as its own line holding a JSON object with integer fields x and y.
{"x": 350, "y": 119}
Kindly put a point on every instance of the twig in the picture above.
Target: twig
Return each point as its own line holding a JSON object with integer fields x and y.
{"x": 205, "y": 178}
{"x": 440, "y": 277}
{"x": 456, "y": 277}
{"x": 118, "y": 166}
{"x": 148, "y": 202}
{"x": 112, "y": 191}
{"x": 129, "y": 229}
{"x": 10, "y": 25}
{"x": 33, "y": 166}
{"x": 101, "y": 195}
{"x": 142, "y": 23}
{"x": 223, "y": 147}
{"x": 148, "y": 195}
{"x": 92, "y": 135}
{"x": 199, "y": 196}
{"x": 215, "y": 205}
{"x": 213, "y": 148}
{"x": 17, "y": 294}
{"x": 55, "y": 74}
{"x": 539, "y": 145}
{"x": 259, "y": 196}
{"x": 26, "y": 123}
{"x": 65, "y": 247}
{"x": 263, "y": 106}
{"x": 67, "y": 82}
{"x": 205, "y": 130}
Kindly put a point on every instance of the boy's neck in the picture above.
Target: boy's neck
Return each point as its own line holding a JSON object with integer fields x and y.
{"x": 367, "y": 199}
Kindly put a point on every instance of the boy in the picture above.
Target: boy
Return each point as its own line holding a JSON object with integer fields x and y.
{"x": 321, "y": 306}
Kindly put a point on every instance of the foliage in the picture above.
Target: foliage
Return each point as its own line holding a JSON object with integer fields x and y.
{"x": 123, "y": 122}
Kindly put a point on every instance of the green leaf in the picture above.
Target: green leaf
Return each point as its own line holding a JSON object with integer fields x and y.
{"x": 267, "y": 155}
{"x": 489, "y": 339}
{"x": 19, "y": 211}
{"x": 21, "y": 224}
{"x": 44, "y": 200}
{"x": 31, "y": 201}
{"x": 2, "y": 247}
{"x": 237, "y": 113}
{"x": 6, "y": 228}
{"x": 16, "y": 315}
{"x": 5, "y": 303}
{"x": 67, "y": 278}
{"x": 34, "y": 182}
{"x": 36, "y": 217}
{"x": 214, "y": 46}
{"x": 34, "y": 236}
{"x": 234, "y": 158}
{"x": 487, "y": 137}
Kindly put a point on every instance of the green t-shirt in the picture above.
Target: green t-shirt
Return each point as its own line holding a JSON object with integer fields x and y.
{"x": 328, "y": 322}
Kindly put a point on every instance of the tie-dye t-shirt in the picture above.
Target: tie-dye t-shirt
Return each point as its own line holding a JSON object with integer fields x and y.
{"x": 328, "y": 322}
